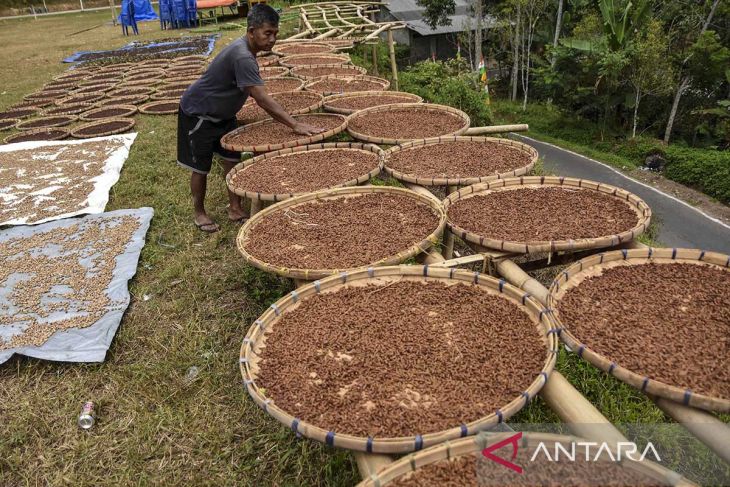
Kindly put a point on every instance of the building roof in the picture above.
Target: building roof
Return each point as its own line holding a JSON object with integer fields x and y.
{"x": 409, "y": 12}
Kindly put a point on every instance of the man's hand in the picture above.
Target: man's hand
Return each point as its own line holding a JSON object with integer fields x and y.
{"x": 306, "y": 129}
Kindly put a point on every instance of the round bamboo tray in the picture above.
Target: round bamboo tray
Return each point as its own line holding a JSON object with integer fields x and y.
{"x": 49, "y": 133}
{"x": 311, "y": 48}
{"x": 107, "y": 77}
{"x": 53, "y": 121}
{"x": 60, "y": 85}
{"x": 40, "y": 103}
{"x": 289, "y": 84}
{"x": 266, "y": 61}
{"x": 45, "y": 95}
{"x": 229, "y": 144}
{"x": 70, "y": 109}
{"x": 330, "y": 101}
{"x": 432, "y": 181}
{"x": 128, "y": 124}
{"x": 196, "y": 57}
{"x": 168, "y": 94}
{"x": 452, "y": 450}
{"x": 144, "y": 73}
{"x": 123, "y": 100}
{"x": 184, "y": 81}
{"x": 466, "y": 122}
{"x": 131, "y": 90}
{"x": 116, "y": 68}
{"x": 313, "y": 60}
{"x": 304, "y": 72}
{"x": 595, "y": 264}
{"x": 273, "y": 72}
{"x": 20, "y": 112}
{"x": 125, "y": 111}
{"x": 306, "y": 100}
{"x": 8, "y": 123}
{"x": 328, "y": 194}
{"x": 96, "y": 88}
{"x": 264, "y": 158}
{"x": 148, "y": 108}
{"x": 147, "y": 82}
{"x": 88, "y": 83}
{"x": 75, "y": 74}
{"x": 81, "y": 98}
{"x": 251, "y": 349}
{"x": 311, "y": 84}
{"x": 642, "y": 210}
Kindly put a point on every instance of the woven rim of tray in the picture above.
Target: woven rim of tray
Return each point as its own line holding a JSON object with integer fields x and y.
{"x": 153, "y": 62}
{"x": 76, "y": 75}
{"x": 641, "y": 209}
{"x": 95, "y": 88}
{"x": 184, "y": 79}
{"x": 335, "y": 59}
{"x": 166, "y": 95}
{"x": 567, "y": 280}
{"x": 474, "y": 445}
{"x": 283, "y": 72}
{"x": 140, "y": 83}
{"x": 334, "y": 193}
{"x": 466, "y": 121}
{"x": 177, "y": 85}
{"x": 407, "y": 97}
{"x": 10, "y": 111}
{"x": 68, "y": 119}
{"x": 99, "y": 82}
{"x": 185, "y": 71}
{"x": 305, "y": 148}
{"x": 137, "y": 99}
{"x": 356, "y": 70}
{"x": 327, "y": 48}
{"x": 315, "y": 105}
{"x": 65, "y": 133}
{"x": 130, "y": 110}
{"x": 92, "y": 98}
{"x": 311, "y": 82}
{"x": 266, "y": 61}
{"x": 69, "y": 109}
{"x": 432, "y": 181}
{"x": 145, "y": 108}
{"x": 60, "y": 85}
{"x": 190, "y": 56}
{"x": 103, "y": 77}
{"x": 45, "y": 95}
{"x": 304, "y": 140}
{"x": 129, "y": 121}
{"x": 405, "y": 444}
{"x": 115, "y": 67}
{"x": 300, "y": 84}
{"x": 140, "y": 90}
{"x": 148, "y": 72}
{"x": 8, "y": 123}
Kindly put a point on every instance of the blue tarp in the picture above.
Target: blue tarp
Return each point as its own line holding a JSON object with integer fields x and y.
{"x": 143, "y": 11}
{"x": 172, "y": 46}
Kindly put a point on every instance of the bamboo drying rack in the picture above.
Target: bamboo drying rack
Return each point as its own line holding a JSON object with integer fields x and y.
{"x": 330, "y": 60}
{"x": 320, "y": 48}
{"x": 405, "y": 96}
{"x": 312, "y": 83}
{"x": 355, "y": 70}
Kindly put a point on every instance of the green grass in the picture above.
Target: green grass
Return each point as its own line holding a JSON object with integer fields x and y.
{"x": 154, "y": 427}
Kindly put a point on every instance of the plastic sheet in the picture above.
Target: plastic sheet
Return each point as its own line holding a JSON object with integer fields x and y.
{"x": 173, "y": 46}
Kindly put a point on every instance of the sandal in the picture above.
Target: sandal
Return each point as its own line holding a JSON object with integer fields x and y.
{"x": 211, "y": 227}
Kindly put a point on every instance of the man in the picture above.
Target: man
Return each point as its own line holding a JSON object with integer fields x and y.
{"x": 208, "y": 111}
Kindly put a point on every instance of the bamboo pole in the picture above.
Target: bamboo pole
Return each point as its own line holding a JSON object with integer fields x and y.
{"x": 256, "y": 206}
{"x": 303, "y": 33}
{"x": 517, "y": 277}
{"x": 371, "y": 463}
{"x": 393, "y": 67}
{"x": 448, "y": 241}
{"x": 497, "y": 129}
{"x": 431, "y": 258}
{"x": 421, "y": 190}
{"x": 327, "y": 34}
{"x": 375, "y": 51}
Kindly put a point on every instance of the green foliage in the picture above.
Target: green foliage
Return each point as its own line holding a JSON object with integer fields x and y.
{"x": 706, "y": 170}
{"x": 621, "y": 21}
{"x": 448, "y": 83}
{"x": 437, "y": 11}
{"x": 709, "y": 60}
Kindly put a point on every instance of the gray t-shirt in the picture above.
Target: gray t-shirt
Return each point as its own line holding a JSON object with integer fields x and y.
{"x": 221, "y": 92}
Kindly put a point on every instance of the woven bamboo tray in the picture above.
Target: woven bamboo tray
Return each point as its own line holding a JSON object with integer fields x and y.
{"x": 129, "y": 111}
{"x": 45, "y": 95}
{"x": 405, "y": 98}
{"x": 265, "y": 61}
{"x": 50, "y": 133}
{"x": 147, "y": 82}
{"x": 144, "y": 73}
{"x": 250, "y": 112}
{"x": 316, "y": 48}
{"x": 97, "y": 88}
{"x": 273, "y": 72}
{"x": 75, "y": 74}
{"x": 466, "y": 121}
{"x": 429, "y": 181}
{"x": 60, "y": 85}
{"x": 88, "y": 83}
{"x": 301, "y": 71}
{"x": 346, "y": 192}
{"x": 197, "y": 57}
{"x": 311, "y": 84}
{"x": 262, "y": 159}
{"x": 317, "y": 60}
{"x": 20, "y": 113}
{"x": 146, "y": 108}
{"x": 129, "y": 123}
{"x": 295, "y": 84}
{"x": 642, "y": 210}
{"x": 228, "y": 144}
{"x": 176, "y": 83}
{"x": 572, "y": 277}
{"x": 252, "y": 347}
{"x": 474, "y": 445}
{"x": 82, "y": 98}
{"x": 168, "y": 94}
{"x": 108, "y": 77}
{"x": 123, "y": 100}
{"x": 8, "y": 123}
{"x": 131, "y": 90}
{"x": 70, "y": 109}
{"x": 62, "y": 120}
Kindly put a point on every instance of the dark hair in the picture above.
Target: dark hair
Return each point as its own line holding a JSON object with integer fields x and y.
{"x": 261, "y": 14}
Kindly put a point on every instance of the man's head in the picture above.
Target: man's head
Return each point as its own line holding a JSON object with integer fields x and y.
{"x": 263, "y": 25}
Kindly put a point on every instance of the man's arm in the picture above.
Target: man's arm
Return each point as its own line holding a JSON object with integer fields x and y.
{"x": 265, "y": 101}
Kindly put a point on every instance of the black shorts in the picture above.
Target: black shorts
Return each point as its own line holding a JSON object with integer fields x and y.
{"x": 198, "y": 139}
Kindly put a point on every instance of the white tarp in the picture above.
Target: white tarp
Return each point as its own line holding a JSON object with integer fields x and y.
{"x": 88, "y": 344}
{"x": 35, "y": 189}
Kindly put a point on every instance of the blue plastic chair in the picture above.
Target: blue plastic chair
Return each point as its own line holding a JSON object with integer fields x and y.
{"x": 127, "y": 17}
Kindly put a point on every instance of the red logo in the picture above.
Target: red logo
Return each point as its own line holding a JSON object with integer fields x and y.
{"x": 487, "y": 452}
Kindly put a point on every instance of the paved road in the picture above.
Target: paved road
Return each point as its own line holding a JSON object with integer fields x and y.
{"x": 680, "y": 225}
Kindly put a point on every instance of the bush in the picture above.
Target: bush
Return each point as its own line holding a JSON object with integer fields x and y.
{"x": 706, "y": 170}
{"x": 448, "y": 83}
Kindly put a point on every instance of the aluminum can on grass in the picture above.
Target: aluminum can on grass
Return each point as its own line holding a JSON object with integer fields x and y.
{"x": 86, "y": 418}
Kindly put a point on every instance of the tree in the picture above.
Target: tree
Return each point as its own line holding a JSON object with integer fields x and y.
{"x": 534, "y": 10}
{"x": 558, "y": 23}
{"x": 684, "y": 84}
{"x": 437, "y": 12}
{"x": 651, "y": 70}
